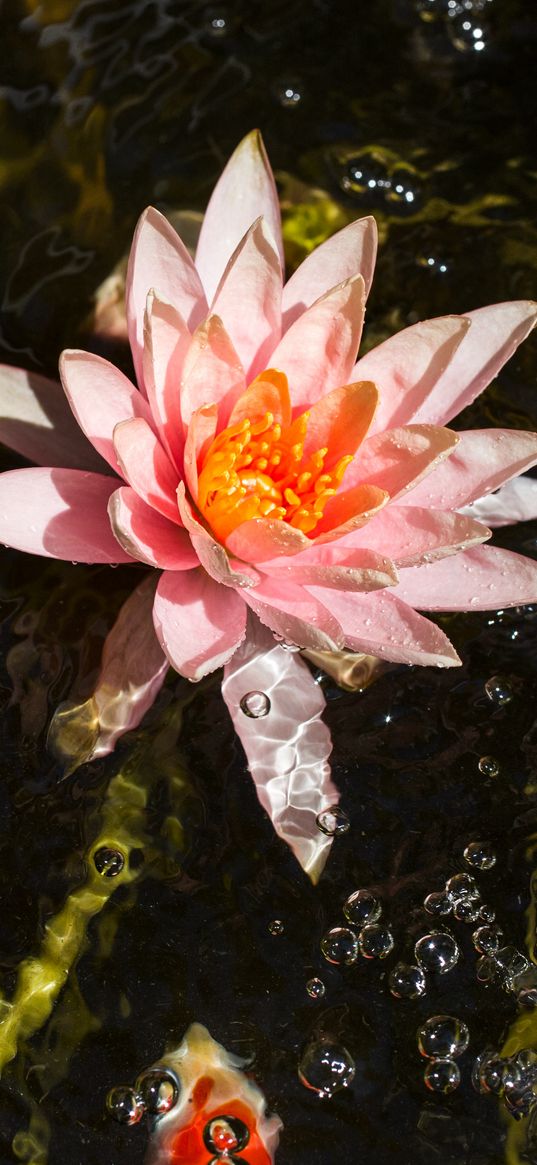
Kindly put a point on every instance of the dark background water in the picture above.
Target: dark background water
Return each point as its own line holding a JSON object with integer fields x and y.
{"x": 106, "y": 107}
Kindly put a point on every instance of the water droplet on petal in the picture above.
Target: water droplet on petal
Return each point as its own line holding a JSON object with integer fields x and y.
{"x": 124, "y": 1105}
{"x": 255, "y": 705}
{"x": 315, "y": 988}
{"x": 158, "y": 1090}
{"x": 442, "y": 1076}
{"x": 443, "y": 1036}
{"x": 332, "y": 821}
{"x": 437, "y": 952}
{"x": 362, "y": 906}
{"x": 340, "y": 946}
{"x": 326, "y": 1066}
{"x": 407, "y": 981}
{"x": 108, "y": 862}
{"x": 479, "y": 855}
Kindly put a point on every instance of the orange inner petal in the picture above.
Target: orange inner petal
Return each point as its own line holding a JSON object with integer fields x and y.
{"x": 256, "y": 468}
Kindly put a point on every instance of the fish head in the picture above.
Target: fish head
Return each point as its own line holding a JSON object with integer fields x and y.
{"x": 220, "y": 1114}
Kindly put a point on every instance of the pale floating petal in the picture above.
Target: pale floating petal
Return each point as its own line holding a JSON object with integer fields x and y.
{"x": 351, "y": 251}
{"x": 263, "y": 538}
{"x": 210, "y": 553}
{"x": 200, "y": 433}
{"x": 287, "y": 751}
{"x": 399, "y": 458}
{"x": 483, "y": 460}
{"x": 147, "y": 468}
{"x": 407, "y": 366}
{"x": 245, "y": 191}
{"x": 514, "y": 502}
{"x": 481, "y": 579}
{"x": 100, "y": 397}
{"x": 133, "y": 670}
{"x": 294, "y": 613}
{"x": 59, "y": 513}
{"x": 352, "y": 670}
{"x": 147, "y": 535}
{"x": 36, "y": 421}
{"x": 248, "y": 299}
{"x": 159, "y": 260}
{"x": 166, "y": 343}
{"x": 340, "y": 420}
{"x": 212, "y": 372}
{"x": 414, "y": 534}
{"x": 199, "y": 623}
{"x": 494, "y": 336}
{"x": 382, "y": 624}
{"x": 335, "y": 565}
{"x": 319, "y": 350}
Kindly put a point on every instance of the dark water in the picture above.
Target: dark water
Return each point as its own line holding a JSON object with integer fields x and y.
{"x": 107, "y": 107}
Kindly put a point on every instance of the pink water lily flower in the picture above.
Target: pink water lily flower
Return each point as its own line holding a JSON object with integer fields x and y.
{"x": 256, "y": 462}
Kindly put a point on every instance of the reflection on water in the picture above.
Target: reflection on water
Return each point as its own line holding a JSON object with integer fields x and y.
{"x": 418, "y": 111}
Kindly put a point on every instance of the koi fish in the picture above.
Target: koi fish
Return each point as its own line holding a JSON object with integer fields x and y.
{"x": 220, "y": 1115}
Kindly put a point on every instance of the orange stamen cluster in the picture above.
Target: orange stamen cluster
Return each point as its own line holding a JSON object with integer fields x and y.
{"x": 258, "y": 470}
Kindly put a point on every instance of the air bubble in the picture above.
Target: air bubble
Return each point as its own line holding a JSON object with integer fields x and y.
{"x": 255, "y": 705}
{"x": 466, "y": 910}
{"x": 488, "y": 765}
{"x": 407, "y": 981}
{"x": 499, "y": 690}
{"x": 276, "y": 926}
{"x": 333, "y": 821}
{"x": 443, "y": 1036}
{"x": 362, "y": 906}
{"x": 340, "y": 946}
{"x": 486, "y": 939}
{"x": 124, "y": 1105}
{"x": 108, "y": 862}
{"x": 325, "y": 1067}
{"x": 315, "y": 988}
{"x": 479, "y": 855}
{"x": 437, "y": 952}
{"x": 376, "y": 941}
{"x": 158, "y": 1090}
{"x": 462, "y": 886}
{"x": 438, "y": 903}
{"x": 225, "y": 1134}
{"x": 442, "y": 1076}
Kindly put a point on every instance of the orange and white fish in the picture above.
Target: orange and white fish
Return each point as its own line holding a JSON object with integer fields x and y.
{"x": 220, "y": 1115}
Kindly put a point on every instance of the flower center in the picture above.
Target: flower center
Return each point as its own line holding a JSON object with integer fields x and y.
{"x": 258, "y": 470}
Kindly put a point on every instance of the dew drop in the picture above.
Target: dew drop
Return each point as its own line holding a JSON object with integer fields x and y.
{"x": 158, "y": 1090}
{"x": 499, "y": 690}
{"x": 108, "y": 862}
{"x": 488, "y": 765}
{"x": 375, "y": 941}
{"x": 325, "y": 1067}
{"x": 437, "y": 952}
{"x": 124, "y": 1105}
{"x": 407, "y": 981}
{"x": 333, "y": 821}
{"x": 443, "y": 1036}
{"x": 479, "y": 855}
{"x": 442, "y": 1076}
{"x": 255, "y": 705}
{"x": 362, "y": 906}
{"x": 340, "y": 946}
{"x": 315, "y": 988}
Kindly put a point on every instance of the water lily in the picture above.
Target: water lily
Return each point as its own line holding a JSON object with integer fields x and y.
{"x": 257, "y": 463}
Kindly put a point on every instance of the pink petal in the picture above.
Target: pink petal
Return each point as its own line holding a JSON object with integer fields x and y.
{"x": 514, "y": 502}
{"x": 407, "y": 367}
{"x": 146, "y": 466}
{"x": 36, "y": 421}
{"x": 319, "y": 350}
{"x": 381, "y": 624}
{"x": 337, "y": 566}
{"x": 199, "y": 623}
{"x": 351, "y": 251}
{"x": 212, "y": 372}
{"x": 340, "y": 421}
{"x": 263, "y": 538}
{"x": 59, "y": 513}
{"x": 148, "y": 536}
{"x": 268, "y": 393}
{"x": 245, "y": 191}
{"x": 413, "y": 534}
{"x": 289, "y": 610}
{"x": 100, "y": 397}
{"x": 481, "y": 579}
{"x": 210, "y": 553}
{"x": 201, "y": 432}
{"x": 166, "y": 343}
{"x": 399, "y": 458}
{"x": 248, "y": 299}
{"x": 483, "y": 460}
{"x": 133, "y": 670}
{"x": 495, "y": 334}
{"x": 348, "y": 511}
{"x": 159, "y": 260}
{"x": 287, "y": 751}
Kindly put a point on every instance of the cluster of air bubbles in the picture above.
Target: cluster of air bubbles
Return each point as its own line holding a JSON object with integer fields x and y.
{"x": 369, "y": 179}
{"x": 288, "y": 92}
{"x": 108, "y": 862}
{"x": 460, "y": 895}
{"x": 499, "y": 690}
{"x": 505, "y": 966}
{"x": 255, "y": 705}
{"x": 326, "y": 1066}
{"x": 465, "y": 20}
{"x": 435, "y": 264}
{"x": 156, "y": 1091}
{"x": 442, "y": 1039}
{"x": 371, "y": 938}
{"x": 219, "y": 22}
{"x": 333, "y": 821}
{"x": 512, "y": 1077}
{"x": 224, "y": 1135}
